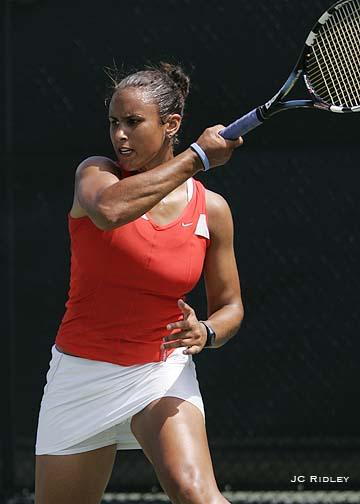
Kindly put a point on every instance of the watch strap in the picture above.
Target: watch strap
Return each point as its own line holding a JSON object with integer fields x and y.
{"x": 210, "y": 335}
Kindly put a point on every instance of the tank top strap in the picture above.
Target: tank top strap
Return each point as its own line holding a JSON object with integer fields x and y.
{"x": 202, "y": 228}
{"x": 199, "y": 187}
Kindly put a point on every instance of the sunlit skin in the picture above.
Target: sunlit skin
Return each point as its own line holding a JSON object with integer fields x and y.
{"x": 135, "y": 124}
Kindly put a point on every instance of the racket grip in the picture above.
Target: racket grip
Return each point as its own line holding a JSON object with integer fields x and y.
{"x": 241, "y": 126}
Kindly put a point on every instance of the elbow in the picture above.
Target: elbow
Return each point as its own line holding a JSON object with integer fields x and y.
{"x": 241, "y": 310}
{"x": 238, "y": 315}
{"x": 241, "y": 314}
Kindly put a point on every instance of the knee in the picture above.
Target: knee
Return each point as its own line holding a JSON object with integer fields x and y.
{"x": 192, "y": 493}
{"x": 188, "y": 486}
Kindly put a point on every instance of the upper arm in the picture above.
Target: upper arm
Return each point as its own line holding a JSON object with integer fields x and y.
{"x": 92, "y": 177}
{"x": 220, "y": 270}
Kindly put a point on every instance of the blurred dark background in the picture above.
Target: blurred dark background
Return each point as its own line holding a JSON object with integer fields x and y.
{"x": 282, "y": 397}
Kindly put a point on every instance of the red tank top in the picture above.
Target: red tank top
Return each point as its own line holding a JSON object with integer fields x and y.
{"x": 125, "y": 283}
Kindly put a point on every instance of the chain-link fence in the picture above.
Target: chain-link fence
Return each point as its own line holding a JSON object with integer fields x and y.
{"x": 333, "y": 497}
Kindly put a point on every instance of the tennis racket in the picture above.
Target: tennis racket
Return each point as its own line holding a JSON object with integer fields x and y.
{"x": 330, "y": 65}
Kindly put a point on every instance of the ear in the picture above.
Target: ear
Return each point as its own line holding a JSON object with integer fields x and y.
{"x": 172, "y": 125}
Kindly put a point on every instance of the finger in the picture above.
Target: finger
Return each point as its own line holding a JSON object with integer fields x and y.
{"x": 183, "y": 325}
{"x": 176, "y": 344}
{"x": 185, "y": 308}
{"x": 177, "y": 335}
{"x": 192, "y": 350}
{"x": 233, "y": 143}
{"x": 236, "y": 142}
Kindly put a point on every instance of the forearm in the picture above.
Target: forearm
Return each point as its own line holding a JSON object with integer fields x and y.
{"x": 133, "y": 196}
{"x": 226, "y": 322}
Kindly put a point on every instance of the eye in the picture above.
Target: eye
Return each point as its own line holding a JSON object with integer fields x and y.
{"x": 113, "y": 122}
{"x": 133, "y": 121}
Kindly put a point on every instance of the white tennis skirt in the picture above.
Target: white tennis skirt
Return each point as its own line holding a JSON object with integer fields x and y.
{"x": 88, "y": 404}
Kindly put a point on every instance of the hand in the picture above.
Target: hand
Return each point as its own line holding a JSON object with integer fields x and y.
{"x": 189, "y": 333}
{"x": 217, "y": 149}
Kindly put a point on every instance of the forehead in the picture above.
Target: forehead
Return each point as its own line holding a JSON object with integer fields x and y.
{"x": 131, "y": 101}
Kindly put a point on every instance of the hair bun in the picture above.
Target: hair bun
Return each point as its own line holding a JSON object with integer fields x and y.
{"x": 177, "y": 75}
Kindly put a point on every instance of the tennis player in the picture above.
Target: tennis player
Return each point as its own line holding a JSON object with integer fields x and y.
{"x": 122, "y": 375}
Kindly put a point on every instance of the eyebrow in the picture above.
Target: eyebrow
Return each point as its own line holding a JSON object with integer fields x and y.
{"x": 127, "y": 116}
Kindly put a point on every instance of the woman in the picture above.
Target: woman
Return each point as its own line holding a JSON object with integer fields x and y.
{"x": 142, "y": 232}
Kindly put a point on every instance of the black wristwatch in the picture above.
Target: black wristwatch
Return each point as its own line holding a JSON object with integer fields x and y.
{"x": 210, "y": 335}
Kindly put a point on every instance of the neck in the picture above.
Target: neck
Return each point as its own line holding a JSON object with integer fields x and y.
{"x": 165, "y": 154}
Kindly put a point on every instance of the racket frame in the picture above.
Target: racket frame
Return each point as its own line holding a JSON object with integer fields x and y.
{"x": 275, "y": 104}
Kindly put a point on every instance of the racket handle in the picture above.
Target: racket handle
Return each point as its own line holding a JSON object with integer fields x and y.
{"x": 241, "y": 126}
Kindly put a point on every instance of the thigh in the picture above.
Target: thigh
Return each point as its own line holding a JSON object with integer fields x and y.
{"x": 172, "y": 434}
{"x": 82, "y": 477}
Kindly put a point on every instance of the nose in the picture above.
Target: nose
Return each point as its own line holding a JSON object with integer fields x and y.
{"x": 120, "y": 134}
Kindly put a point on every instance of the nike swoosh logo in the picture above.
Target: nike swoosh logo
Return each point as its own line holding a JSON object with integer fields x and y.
{"x": 186, "y": 225}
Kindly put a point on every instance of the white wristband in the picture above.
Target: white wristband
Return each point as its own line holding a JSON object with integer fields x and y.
{"x": 204, "y": 159}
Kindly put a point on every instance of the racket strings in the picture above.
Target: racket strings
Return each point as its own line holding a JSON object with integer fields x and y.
{"x": 333, "y": 66}
{"x": 344, "y": 78}
{"x": 353, "y": 46}
{"x": 350, "y": 9}
{"x": 353, "y": 26}
{"x": 333, "y": 78}
{"x": 355, "y": 23}
{"x": 347, "y": 81}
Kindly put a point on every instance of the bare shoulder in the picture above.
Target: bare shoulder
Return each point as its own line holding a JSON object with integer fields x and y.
{"x": 96, "y": 163}
{"x": 88, "y": 175}
{"x": 219, "y": 215}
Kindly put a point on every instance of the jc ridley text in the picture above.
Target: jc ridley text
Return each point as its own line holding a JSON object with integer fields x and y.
{"x": 319, "y": 479}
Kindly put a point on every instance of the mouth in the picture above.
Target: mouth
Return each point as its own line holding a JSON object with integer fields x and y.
{"x": 124, "y": 152}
